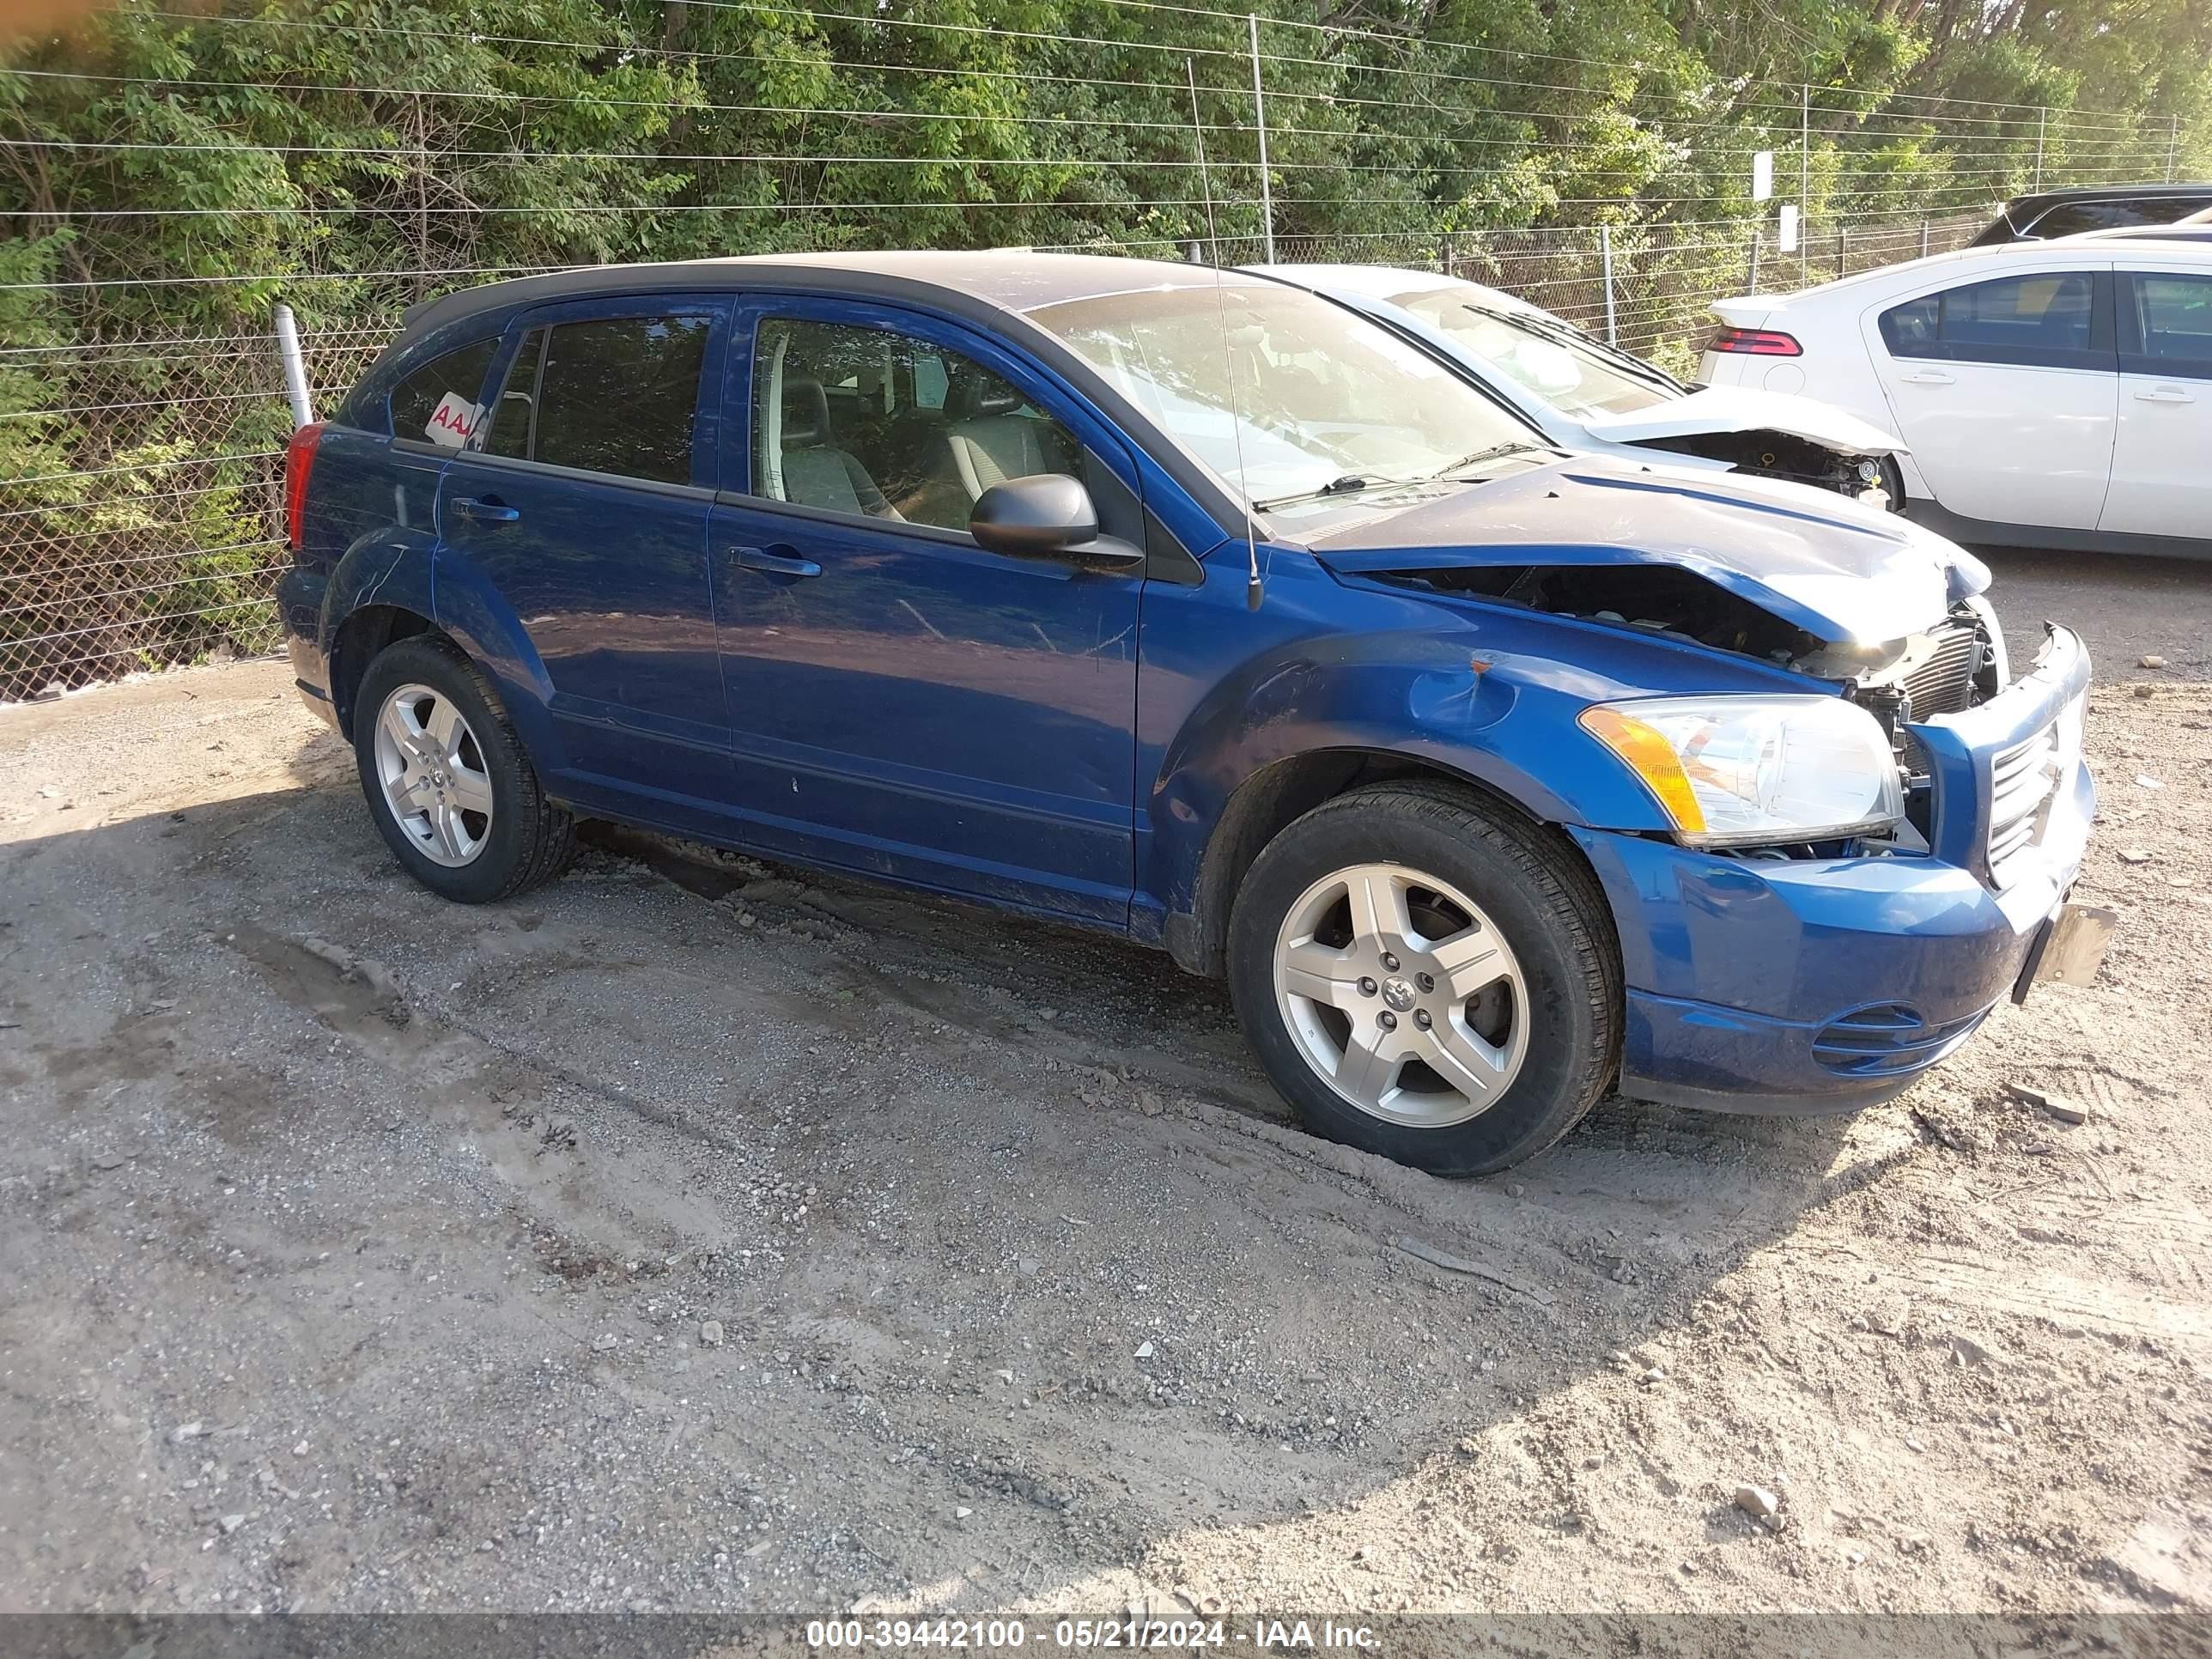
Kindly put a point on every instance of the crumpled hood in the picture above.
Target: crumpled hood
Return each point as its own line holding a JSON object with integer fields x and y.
{"x": 1748, "y": 408}
{"x": 1845, "y": 574}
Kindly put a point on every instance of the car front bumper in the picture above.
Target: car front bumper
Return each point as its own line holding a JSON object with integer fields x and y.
{"x": 1809, "y": 985}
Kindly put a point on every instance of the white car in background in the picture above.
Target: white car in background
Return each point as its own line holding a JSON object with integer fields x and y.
{"x": 2054, "y": 394}
{"x": 1585, "y": 395}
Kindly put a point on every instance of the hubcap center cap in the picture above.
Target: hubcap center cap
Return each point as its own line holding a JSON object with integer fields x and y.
{"x": 1398, "y": 994}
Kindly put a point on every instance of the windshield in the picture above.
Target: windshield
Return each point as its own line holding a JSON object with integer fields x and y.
{"x": 1571, "y": 375}
{"x": 1326, "y": 403}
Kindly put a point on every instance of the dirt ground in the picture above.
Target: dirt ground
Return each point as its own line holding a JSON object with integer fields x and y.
{"x": 697, "y": 1234}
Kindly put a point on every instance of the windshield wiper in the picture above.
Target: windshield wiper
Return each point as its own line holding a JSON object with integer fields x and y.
{"x": 1494, "y": 452}
{"x": 1562, "y": 332}
{"x": 1345, "y": 485}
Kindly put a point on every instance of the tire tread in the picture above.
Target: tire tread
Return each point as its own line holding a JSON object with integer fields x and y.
{"x": 1554, "y": 870}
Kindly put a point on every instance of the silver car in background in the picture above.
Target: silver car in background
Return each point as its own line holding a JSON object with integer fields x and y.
{"x": 1586, "y": 395}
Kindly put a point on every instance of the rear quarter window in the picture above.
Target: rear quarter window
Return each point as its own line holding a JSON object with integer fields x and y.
{"x": 437, "y": 403}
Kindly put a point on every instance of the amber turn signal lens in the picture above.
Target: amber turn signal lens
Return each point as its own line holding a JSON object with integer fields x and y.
{"x": 1653, "y": 759}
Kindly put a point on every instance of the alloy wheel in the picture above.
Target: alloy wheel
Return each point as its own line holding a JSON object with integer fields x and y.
{"x": 1401, "y": 994}
{"x": 433, "y": 775}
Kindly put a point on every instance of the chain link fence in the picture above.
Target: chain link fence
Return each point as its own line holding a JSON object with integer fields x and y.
{"x": 161, "y": 540}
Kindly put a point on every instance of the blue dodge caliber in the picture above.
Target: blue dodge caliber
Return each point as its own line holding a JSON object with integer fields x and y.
{"x": 1191, "y": 606}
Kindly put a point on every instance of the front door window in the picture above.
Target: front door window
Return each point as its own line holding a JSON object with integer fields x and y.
{"x": 881, "y": 425}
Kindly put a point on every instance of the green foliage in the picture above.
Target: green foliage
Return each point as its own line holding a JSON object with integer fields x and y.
{"x": 168, "y": 174}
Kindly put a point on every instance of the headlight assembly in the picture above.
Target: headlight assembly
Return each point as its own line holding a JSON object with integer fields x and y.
{"x": 1750, "y": 771}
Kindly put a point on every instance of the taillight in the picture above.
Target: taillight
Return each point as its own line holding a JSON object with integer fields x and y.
{"x": 299, "y": 465}
{"x": 1755, "y": 343}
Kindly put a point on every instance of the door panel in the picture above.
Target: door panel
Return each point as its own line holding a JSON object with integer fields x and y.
{"x": 2162, "y": 461}
{"x": 902, "y": 701}
{"x": 2010, "y": 444}
{"x": 606, "y": 574}
{"x": 2008, "y": 392}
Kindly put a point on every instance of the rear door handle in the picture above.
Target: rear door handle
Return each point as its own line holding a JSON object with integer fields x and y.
{"x": 486, "y": 510}
{"x": 2165, "y": 394}
{"x": 775, "y": 561}
{"x": 1928, "y": 377}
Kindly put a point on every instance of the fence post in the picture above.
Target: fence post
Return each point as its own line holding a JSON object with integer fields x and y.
{"x": 296, "y": 366}
{"x": 2172, "y": 144}
{"x": 2042, "y": 119}
{"x": 1805, "y": 152}
{"x": 1605, "y": 253}
{"x": 1843, "y": 254}
{"x": 1753, "y": 286}
{"x": 1923, "y": 238}
{"x": 1259, "y": 121}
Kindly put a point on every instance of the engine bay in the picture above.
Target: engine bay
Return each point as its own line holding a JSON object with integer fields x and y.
{"x": 1955, "y": 665}
{"x": 1772, "y": 454}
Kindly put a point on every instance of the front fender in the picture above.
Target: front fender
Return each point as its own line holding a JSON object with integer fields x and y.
{"x": 1503, "y": 723}
{"x": 1475, "y": 692}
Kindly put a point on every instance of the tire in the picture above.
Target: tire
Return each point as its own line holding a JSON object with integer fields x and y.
{"x": 1482, "y": 899}
{"x": 1893, "y": 482}
{"x": 521, "y": 842}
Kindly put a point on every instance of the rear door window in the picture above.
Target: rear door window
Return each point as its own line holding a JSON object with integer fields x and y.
{"x": 2173, "y": 318}
{"x": 437, "y": 403}
{"x": 613, "y": 394}
{"x": 2047, "y": 320}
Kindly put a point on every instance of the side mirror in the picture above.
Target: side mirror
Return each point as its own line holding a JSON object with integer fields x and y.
{"x": 1042, "y": 516}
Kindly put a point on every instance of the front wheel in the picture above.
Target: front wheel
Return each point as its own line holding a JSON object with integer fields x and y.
{"x": 1893, "y": 482}
{"x": 1426, "y": 977}
{"x": 451, "y": 791}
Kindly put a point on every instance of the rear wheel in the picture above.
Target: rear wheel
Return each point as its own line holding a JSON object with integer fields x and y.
{"x": 448, "y": 785}
{"x": 1426, "y": 978}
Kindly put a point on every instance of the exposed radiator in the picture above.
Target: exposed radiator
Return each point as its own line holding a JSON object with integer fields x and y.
{"x": 1943, "y": 682}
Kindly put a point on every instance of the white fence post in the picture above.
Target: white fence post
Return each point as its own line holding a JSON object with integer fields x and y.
{"x": 1805, "y": 153}
{"x": 2172, "y": 144}
{"x": 2042, "y": 119}
{"x": 296, "y": 366}
{"x": 1260, "y": 120}
{"x": 1605, "y": 253}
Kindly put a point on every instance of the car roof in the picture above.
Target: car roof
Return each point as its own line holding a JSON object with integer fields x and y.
{"x": 1994, "y": 256}
{"x": 2105, "y": 193}
{"x": 1009, "y": 279}
{"x": 2181, "y": 231}
{"x": 1385, "y": 282}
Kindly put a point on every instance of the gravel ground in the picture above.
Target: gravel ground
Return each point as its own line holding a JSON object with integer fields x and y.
{"x": 697, "y": 1234}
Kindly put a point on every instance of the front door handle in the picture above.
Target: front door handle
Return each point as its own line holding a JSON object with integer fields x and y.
{"x": 2165, "y": 394}
{"x": 775, "y": 561}
{"x": 486, "y": 510}
{"x": 1928, "y": 377}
